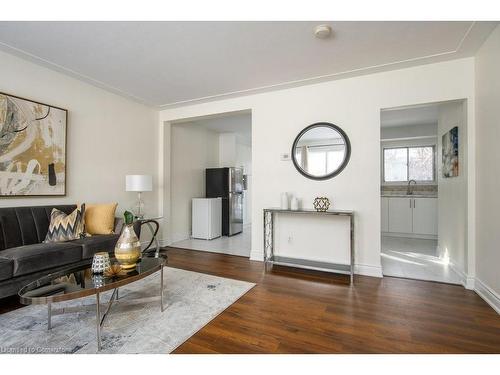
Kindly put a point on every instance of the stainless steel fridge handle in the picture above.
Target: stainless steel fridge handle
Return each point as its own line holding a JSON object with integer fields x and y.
{"x": 230, "y": 181}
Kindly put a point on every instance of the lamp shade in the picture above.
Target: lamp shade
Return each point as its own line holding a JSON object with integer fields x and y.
{"x": 138, "y": 182}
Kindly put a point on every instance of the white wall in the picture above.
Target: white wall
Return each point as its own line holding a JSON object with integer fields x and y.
{"x": 227, "y": 149}
{"x": 452, "y": 191}
{"x": 417, "y": 130}
{"x": 194, "y": 148}
{"x": 354, "y": 104}
{"x": 108, "y": 136}
{"x": 488, "y": 161}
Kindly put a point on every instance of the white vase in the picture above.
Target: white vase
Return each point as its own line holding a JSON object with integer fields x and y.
{"x": 294, "y": 204}
{"x": 284, "y": 201}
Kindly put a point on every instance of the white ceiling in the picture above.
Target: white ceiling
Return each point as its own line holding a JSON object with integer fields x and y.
{"x": 238, "y": 123}
{"x": 412, "y": 115}
{"x": 170, "y": 63}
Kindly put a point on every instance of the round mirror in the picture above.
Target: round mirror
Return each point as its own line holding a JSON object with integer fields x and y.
{"x": 321, "y": 151}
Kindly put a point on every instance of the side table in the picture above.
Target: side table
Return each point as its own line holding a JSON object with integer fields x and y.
{"x": 152, "y": 224}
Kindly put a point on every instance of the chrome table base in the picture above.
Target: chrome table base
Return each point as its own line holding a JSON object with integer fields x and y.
{"x": 100, "y": 319}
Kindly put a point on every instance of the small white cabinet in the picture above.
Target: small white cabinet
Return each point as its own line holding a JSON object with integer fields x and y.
{"x": 410, "y": 216}
{"x": 400, "y": 215}
{"x": 425, "y": 216}
{"x": 206, "y": 218}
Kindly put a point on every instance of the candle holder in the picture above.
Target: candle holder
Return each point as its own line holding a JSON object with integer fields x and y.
{"x": 100, "y": 262}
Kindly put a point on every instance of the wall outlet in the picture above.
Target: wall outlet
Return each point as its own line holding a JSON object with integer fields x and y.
{"x": 290, "y": 239}
{"x": 285, "y": 156}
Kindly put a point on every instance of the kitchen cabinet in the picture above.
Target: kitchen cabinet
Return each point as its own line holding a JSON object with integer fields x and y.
{"x": 425, "y": 216}
{"x": 385, "y": 214}
{"x": 410, "y": 215}
{"x": 400, "y": 215}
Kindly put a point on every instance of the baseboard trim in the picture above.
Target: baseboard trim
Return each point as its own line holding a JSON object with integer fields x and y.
{"x": 470, "y": 283}
{"x": 256, "y": 256}
{"x": 177, "y": 237}
{"x": 467, "y": 281}
{"x": 164, "y": 242}
{"x": 359, "y": 269}
{"x": 368, "y": 270}
{"x": 487, "y": 294}
{"x": 475, "y": 284}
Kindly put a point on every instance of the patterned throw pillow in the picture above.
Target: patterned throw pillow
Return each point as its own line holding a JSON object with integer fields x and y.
{"x": 65, "y": 227}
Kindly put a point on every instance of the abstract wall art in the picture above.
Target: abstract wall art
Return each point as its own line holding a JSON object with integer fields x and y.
{"x": 32, "y": 148}
{"x": 450, "y": 153}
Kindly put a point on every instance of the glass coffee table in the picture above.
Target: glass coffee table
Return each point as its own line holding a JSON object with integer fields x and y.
{"x": 78, "y": 282}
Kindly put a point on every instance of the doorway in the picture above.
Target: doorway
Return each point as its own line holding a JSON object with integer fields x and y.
{"x": 214, "y": 143}
{"x": 424, "y": 191}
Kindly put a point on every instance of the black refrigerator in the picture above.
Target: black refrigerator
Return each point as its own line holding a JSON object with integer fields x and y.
{"x": 227, "y": 183}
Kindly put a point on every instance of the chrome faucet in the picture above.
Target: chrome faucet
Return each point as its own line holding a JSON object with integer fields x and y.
{"x": 409, "y": 190}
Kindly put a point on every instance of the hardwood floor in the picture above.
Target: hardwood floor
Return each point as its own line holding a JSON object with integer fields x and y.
{"x": 304, "y": 312}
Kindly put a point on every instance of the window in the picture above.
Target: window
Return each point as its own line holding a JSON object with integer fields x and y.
{"x": 402, "y": 164}
{"x": 321, "y": 160}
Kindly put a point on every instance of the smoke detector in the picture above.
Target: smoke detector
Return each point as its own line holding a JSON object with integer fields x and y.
{"x": 322, "y": 31}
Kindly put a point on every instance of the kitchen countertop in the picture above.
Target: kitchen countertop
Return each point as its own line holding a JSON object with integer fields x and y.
{"x": 409, "y": 196}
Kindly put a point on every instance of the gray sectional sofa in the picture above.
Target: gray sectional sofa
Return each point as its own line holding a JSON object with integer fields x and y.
{"x": 23, "y": 256}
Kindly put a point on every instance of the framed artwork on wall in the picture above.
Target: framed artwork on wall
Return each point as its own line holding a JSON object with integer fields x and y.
{"x": 32, "y": 148}
{"x": 450, "y": 153}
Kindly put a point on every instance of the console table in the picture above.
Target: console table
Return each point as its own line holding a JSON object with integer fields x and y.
{"x": 270, "y": 258}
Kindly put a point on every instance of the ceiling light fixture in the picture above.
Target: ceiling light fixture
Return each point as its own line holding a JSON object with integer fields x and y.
{"x": 322, "y": 31}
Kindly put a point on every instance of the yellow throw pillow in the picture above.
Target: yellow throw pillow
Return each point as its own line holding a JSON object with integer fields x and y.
{"x": 100, "y": 218}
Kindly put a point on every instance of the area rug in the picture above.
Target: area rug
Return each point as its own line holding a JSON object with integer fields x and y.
{"x": 191, "y": 300}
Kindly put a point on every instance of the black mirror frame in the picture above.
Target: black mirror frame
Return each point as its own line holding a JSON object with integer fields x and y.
{"x": 344, "y": 162}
